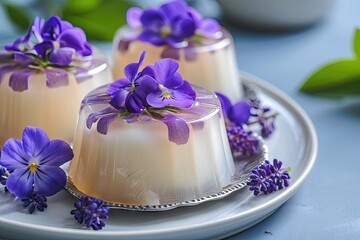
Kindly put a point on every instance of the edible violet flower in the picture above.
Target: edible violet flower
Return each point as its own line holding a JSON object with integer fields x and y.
{"x": 264, "y": 117}
{"x": 34, "y": 162}
{"x": 239, "y": 113}
{"x": 51, "y": 46}
{"x": 171, "y": 89}
{"x": 157, "y": 92}
{"x": 171, "y": 23}
{"x": 129, "y": 93}
{"x": 268, "y": 178}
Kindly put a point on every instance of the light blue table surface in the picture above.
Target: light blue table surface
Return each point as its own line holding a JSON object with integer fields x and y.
{"x": 327, "y": 205}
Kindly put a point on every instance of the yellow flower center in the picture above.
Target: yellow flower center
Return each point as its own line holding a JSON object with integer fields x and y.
{"x": 166, "y": 95}
{"x": 165, "y": 31}
{"x": 56, "y": 45}
{"x": 33, "y": 167}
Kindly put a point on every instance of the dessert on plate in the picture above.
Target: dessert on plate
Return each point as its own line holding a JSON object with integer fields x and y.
{"x": 204, "y": 50}
{"x": 151, "y": 138}
{"x": 44, "y": 75}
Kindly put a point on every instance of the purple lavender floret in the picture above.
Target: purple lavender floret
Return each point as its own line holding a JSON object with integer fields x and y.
{"x": 171, "y": 23}
{"x": 268, "y": 178}
{"x": 91, "y": 211}
{"x": 263, "y": 116}
{"x": 242, "y": 142}
{"x": 35, "y": 201}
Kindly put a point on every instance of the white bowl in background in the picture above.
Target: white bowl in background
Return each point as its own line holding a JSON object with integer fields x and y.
{"x": 275, "y": 14}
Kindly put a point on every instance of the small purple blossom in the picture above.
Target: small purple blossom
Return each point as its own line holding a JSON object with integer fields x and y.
{"x": 156, "y": 92}
{"x": 34, "y": 163}
{"x": 171, "y": 23}
{"x": 53, "y": 46}
{"x": 239, "y": 113}
{"x": 35, "y": 201}
{"x": 91, "y": 211}
{"x": 242, "y": 142}
{"x": 263, "y": 116}
{"x": 268, "y": 178}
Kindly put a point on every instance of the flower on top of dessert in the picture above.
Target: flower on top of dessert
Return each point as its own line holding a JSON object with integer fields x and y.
{"x": 54, "y": 46}
{"x": 33, "y": 163}
{"x": 157, "y": 92}
{"x": 171, "y": 24}
{"x": 174, "y": 25}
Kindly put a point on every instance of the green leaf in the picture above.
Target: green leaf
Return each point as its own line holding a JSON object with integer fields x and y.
{"x": 156, "y": 115}
{"x": 357, "y": 43}
{"x": 336, "y": 80}
{"x": 17, "y": 15}
{"x": 99, "y": 19}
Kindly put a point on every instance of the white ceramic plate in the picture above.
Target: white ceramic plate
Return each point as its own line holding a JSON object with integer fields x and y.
{"x": 294, "y": 143}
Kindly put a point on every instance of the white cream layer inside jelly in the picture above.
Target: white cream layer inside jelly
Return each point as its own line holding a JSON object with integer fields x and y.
{"x": 213, "y": 68}
{"x": 136, "y": 164}
{"x": 53, "y": 109}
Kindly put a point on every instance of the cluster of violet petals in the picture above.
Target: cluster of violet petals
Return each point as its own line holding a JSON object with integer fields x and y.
{"x": 171, "y": 23}
{"x": 157, "y": 92}
{"x": 34, "y": 164}
{"x": 51, "y": 46}
{"x": 268, "y": 178}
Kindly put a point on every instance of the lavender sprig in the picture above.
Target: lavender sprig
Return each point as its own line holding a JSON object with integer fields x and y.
{"x": 242, "y": 142}
{"x": 35, "y": 201}
{"x": 3, "y": 177}
{"x": 268, "y": 178}
{"x": 91, "y": 211}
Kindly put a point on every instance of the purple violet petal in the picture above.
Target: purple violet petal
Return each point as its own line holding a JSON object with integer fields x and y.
{"x": 56, "y": 153}
{"x": 49, "y": 180}
{"x": 4, "y": 69}
{"x": 36, "y": 28}
{"x": 118, "y": 99}
{"x": 190, "y": 53}
{"x": 20, "y": 182}
{"x": 225, "y": 103}
{"x": 119, "y": 84}
{"x": 147, "y": 85}
{"x": 132, "y": 69}
{"x": 56, "y": 77}
{"x": 123, "y": 45}
{"x": 240, "y": 112}
{"x": 23, "y": 58}
{"x": 209, "y": 27}
{"x": 171, "y": 52}
{"x": 52, "y": 28}
{"x": 133, "y": 103}
{"x": 62, "y": 56}
{"x": 183, "y": 28}
{"x": 93, "y": 117}
{"x": 75, "y": 38}
{"x": 34, "y": 140}
{"x": 174, "y": 8}
{"x": 43, "y": 48}
{"x": 152, "y": 37}
{"x": 165, "y": 70}
{"x": 178, "y": 130}
{"x": 104, "y": 123}
{"x": 19, "y": 80}
{"x": 187, "y": 89}
{"x": 177, "y": 99}
{"x": 152, "y": 20}
{"x": 13, "y": 155}
{"x": 133, "y": 16}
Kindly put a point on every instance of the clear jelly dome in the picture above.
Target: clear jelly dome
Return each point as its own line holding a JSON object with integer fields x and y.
{"x": 212, "y": 64}
{"x": 136, "y": 164}
{"x": 54, "y": 109}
